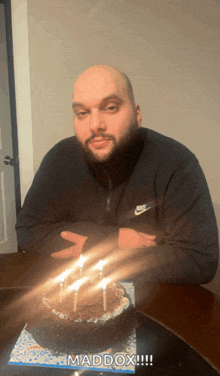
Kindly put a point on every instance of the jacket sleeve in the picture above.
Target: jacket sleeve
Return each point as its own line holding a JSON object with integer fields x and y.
{"x": 190, "y": 250}
{"x": 45, "y": 212}
{"x": 187, "y": 248}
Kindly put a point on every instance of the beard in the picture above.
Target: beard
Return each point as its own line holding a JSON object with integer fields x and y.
{"x": 119, "y": 149}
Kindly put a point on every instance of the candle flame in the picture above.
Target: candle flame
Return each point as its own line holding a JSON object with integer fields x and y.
{"x": 103, "y": 283}
{"x": 81, "y": 261}
{"x": 75, "y": 286}
{"x": 100, "y": 265}
{"x": 63, "y": 275}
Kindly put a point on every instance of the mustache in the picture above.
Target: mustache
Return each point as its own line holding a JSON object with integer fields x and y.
{"x": 103, "y": 135}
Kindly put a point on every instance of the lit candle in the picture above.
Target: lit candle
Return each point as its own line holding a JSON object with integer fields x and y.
{"x": 104, "y": 301}
{"x": 75, "y": 300}
{"x": 62, "y": 278}
{"x": 75, "y": 286}
{"x": 81, "y": 262}
{"x": 104, "y": 283}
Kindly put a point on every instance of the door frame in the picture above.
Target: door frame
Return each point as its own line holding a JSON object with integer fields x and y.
{"x": 11, "y": 83}
{"x": 20, "y": 95}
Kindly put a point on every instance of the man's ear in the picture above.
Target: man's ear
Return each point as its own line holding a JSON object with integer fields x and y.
{"x": 138, "y": 114}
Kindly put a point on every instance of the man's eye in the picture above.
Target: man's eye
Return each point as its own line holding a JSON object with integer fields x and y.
{"x": 112, "y": 108}
{"x": 81, "y": 114}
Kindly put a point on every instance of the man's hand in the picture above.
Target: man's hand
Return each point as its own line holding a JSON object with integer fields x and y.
{"x": 73, "y": 251}
{"x": 129, "y": 238}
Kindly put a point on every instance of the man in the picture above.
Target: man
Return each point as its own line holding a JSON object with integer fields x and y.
{"x": 121, "y": 191}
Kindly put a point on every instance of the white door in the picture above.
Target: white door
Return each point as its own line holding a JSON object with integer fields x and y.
{"x": 8, "y": 242}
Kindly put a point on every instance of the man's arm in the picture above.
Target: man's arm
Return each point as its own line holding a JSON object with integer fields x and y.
{"x": 136, "y": 256}
{"x": 188, "y": 251}
{"x": 49, "y": 206}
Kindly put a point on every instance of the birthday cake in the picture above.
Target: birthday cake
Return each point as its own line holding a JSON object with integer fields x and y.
{"x": 65, "y": 327}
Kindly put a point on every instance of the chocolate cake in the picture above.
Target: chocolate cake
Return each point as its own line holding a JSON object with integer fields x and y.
{"x": 55, "y": 325}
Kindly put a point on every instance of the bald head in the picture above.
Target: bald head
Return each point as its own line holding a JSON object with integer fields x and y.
{"x": 105, "y": 117}
{"x": 98, "y": 77}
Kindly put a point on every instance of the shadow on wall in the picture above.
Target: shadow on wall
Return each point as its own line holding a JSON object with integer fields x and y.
{"x": 214, "y": 285}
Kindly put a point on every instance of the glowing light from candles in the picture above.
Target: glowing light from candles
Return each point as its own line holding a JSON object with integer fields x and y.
{"x": 75, "y": 286}
{"x": 61, "y": 278}
{"x": 100, "y": 266}
{"x": 103, "y": 283}
{"x": 81, "y": 263}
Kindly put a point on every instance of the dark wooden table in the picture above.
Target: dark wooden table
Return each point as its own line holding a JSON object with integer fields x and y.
{"x": 192, "y": 313}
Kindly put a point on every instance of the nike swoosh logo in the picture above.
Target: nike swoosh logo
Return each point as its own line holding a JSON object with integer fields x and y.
{"x": 140, "y": 211}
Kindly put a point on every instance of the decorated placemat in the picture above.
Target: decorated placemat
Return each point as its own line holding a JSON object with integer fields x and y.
{"x": 27, "y": 352}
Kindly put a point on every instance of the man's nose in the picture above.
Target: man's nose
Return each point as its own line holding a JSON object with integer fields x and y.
{"x": 97, "y": 123}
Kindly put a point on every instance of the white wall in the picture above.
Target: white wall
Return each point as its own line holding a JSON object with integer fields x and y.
{"x": 169, "y": 49}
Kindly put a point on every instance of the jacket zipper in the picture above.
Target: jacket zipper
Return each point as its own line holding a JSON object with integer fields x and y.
{"x": 109, "y": 195}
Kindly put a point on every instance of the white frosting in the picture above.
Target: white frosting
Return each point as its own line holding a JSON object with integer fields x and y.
{"x": 46, "y": 302}
{"x": 111, "y": 315}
